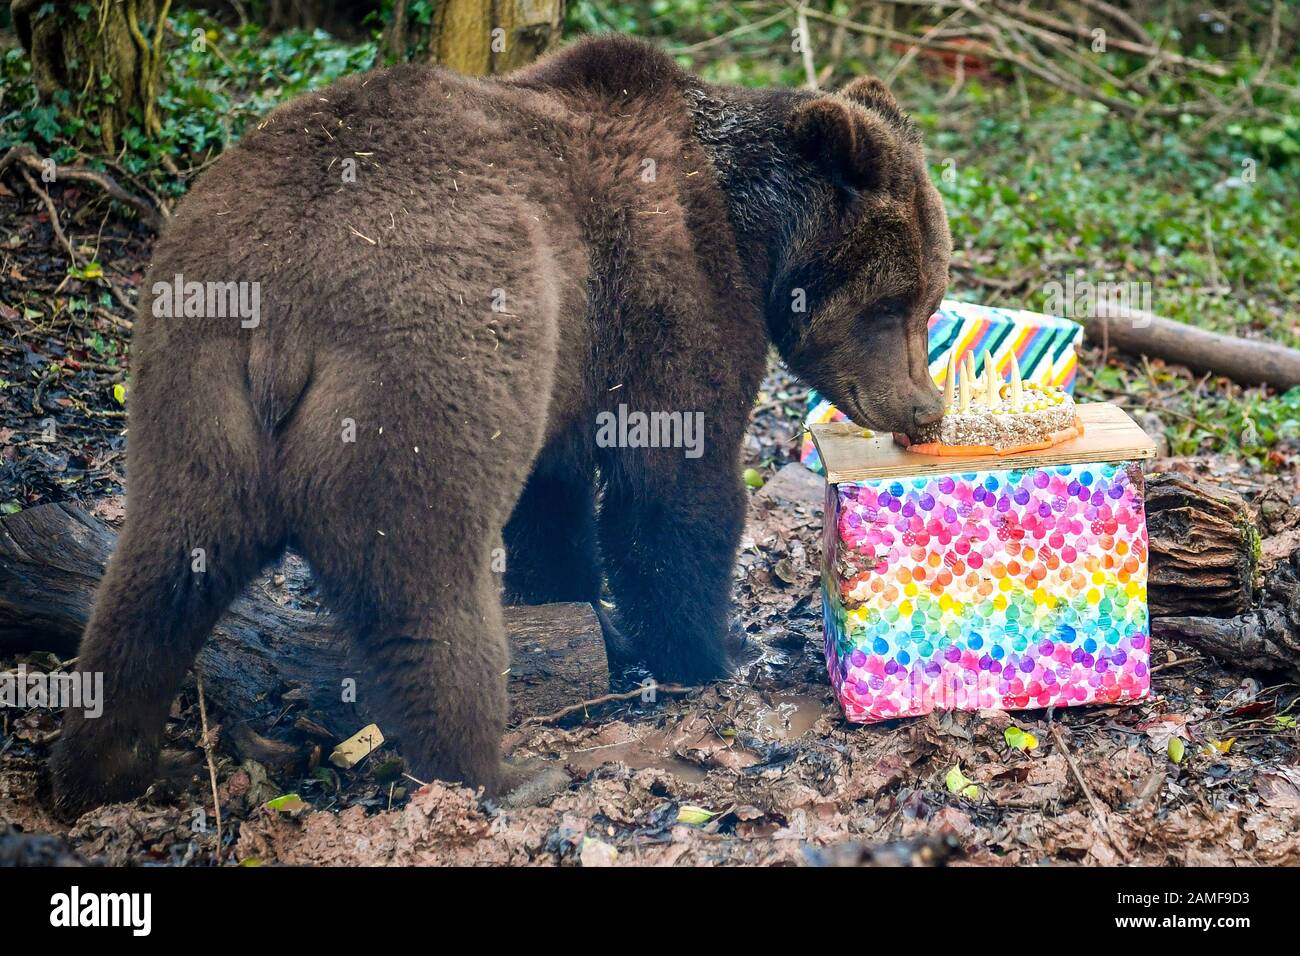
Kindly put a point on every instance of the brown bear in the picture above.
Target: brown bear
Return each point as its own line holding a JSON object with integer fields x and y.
{"x": 393, "y": 324}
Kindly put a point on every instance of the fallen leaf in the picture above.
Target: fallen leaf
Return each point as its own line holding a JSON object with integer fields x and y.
{"x": 1280, "y": 788}
{"x": 958, "y": 782}
{"x": 1161, "y": 729}
{"x": 785, "y": 572}
{"x": 694, "y": 815}
{"x": 1018, "y": 739}
{"x": 597, "y": 852}
{"x": 290, "y": 803}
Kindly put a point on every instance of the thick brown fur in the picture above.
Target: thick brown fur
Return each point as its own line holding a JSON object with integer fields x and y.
{"x": 800, "y": 218}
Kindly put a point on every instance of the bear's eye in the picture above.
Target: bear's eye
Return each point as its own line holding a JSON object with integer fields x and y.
{"x": 894, "y": 307}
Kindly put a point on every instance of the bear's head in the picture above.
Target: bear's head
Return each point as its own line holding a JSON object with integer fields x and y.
{"x": 864, "y": 263}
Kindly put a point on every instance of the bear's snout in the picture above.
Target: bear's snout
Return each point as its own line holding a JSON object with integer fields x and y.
{"x": 928, "y": 410}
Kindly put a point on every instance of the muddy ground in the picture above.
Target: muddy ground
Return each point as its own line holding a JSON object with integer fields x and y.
{"x": 758, "y": 770}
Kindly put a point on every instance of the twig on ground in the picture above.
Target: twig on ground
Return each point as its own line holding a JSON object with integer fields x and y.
{"x": 1084, "y": 32}
{"x": 958, "y": 81}
{"x": 1120, "y": 17}
{"x": 903, "y": 61}
{"x": 206, "y": 741}
{"x": 1182, "y": 660}
{"x": 153, "y": 217}
{"x": 103, "y": 313}
{"x": 1032, "y": 32}
{"x": 1097, "y": 812}
{"x": 53, "y": 214}
{"x": 1247, "y": 95}
{"x": 605, "y": 699}
{"x": 732, "y": 34}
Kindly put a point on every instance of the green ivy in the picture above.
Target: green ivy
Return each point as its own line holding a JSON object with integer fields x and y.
{"x": 211, "y": 94}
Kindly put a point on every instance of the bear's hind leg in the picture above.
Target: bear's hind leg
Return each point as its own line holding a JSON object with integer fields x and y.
{"x": 434, "y": 655}
{"x": 399, "y": 525}
{"x": 427, "y": 628}
{"x": 197, "y": 529}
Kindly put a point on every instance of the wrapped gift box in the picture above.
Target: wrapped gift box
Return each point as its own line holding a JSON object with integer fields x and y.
{"x": 1004, "y": 582}
{"x": 1045, "y": 347}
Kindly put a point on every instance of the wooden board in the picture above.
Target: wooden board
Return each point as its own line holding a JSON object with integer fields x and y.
{"x": 1108, "y": 435}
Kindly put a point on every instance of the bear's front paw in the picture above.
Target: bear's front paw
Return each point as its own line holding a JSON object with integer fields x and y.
{"x": 620, "y": 653}
{"x": 690, "y": 654}
{"x": 741, "y": 649}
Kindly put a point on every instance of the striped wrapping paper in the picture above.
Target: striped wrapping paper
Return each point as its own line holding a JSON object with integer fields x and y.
{"x": 1044, "y": 345}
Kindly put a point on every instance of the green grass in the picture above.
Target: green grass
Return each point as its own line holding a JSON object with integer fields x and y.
{"x": 1069, "y": 191}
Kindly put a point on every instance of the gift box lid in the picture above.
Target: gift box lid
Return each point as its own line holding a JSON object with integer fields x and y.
{"x": 1108, "y": 435}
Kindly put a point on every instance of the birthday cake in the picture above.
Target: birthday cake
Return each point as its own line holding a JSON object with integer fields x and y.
{"x": 985, "y": 416}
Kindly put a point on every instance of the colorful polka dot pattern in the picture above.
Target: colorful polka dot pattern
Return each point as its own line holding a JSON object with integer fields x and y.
{"x": 997, "y": 589}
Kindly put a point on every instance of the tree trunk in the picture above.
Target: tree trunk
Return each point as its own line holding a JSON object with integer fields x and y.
{"x": 340, "y": 20}
{"x": 392, "y": 43}
{"x": 476, "y": 37}
{"x": 273, "y": 671}
{"x": 529, "y": 28}
{"x": 104, "y": 58}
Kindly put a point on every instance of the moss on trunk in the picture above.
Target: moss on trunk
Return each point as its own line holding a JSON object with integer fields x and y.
{"x": 107, "y": 55}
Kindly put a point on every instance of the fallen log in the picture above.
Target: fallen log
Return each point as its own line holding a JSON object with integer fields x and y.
{"x": 1204, "y": 548}
{"x": 273, "y": 670}
{"x": 1248, "y": 361}
{"x": 1263, "y": 640}
{"x": 1213, "y": 584}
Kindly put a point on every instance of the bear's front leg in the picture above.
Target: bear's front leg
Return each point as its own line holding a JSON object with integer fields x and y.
{"x": 551, "y": 541}
{"x": 551, "y": 544}
{"x": 668, "y": 541}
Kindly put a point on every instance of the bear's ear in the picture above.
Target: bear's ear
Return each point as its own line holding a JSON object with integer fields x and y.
{"x": 874, "y": 95}
{"x": 871, "y": 92}
{"x": 853, "y": 146}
